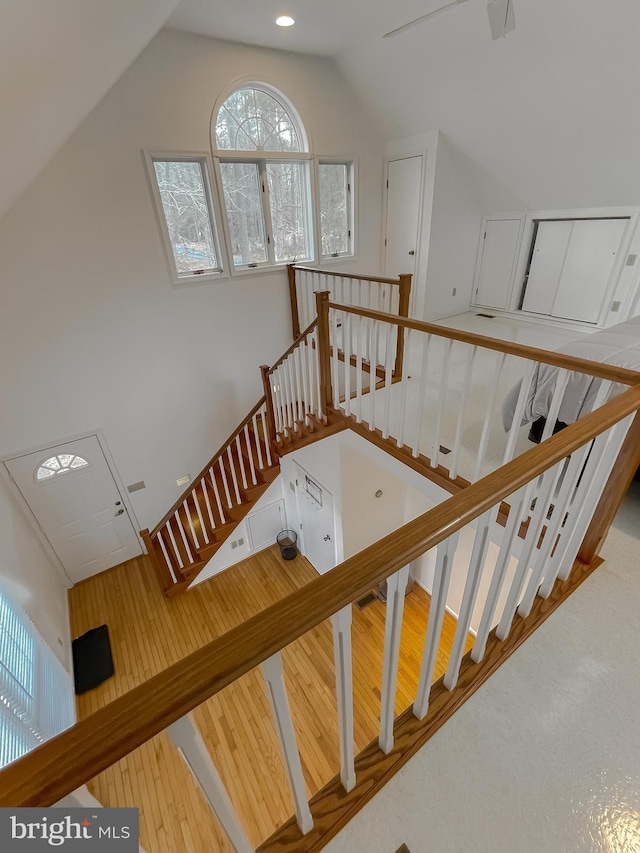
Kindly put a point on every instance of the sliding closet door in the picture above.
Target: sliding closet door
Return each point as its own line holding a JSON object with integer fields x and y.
{"x": 547, "y": 262}
{"x": 588, "y": 266}
{"x": 571, "y": 267}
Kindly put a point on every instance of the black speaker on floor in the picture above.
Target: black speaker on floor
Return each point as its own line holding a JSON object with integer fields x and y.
{"x": 92, "y": 660}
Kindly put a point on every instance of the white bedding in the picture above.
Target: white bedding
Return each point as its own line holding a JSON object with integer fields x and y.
{"x": 618, "y": 345}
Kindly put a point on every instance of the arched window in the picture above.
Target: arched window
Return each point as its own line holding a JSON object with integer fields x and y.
{"x": 267, "y": 196}
{"x": 60, "y": 464}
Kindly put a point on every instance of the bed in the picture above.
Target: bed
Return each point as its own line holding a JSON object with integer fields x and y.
{"x": 618, "y": 345}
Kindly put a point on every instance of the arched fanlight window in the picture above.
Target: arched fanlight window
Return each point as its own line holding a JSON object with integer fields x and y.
{"x": 264, "y": 161}
{"x": 256, "y": 119}
{"x": 60, "y": 464}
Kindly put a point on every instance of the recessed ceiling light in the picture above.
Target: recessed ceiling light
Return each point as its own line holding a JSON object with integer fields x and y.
{"x": 285, "y": 21}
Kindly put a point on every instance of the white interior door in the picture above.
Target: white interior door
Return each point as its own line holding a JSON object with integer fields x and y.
{"x": 317, "y": 529}
{"x": 404, "y": 193}
{"x": 571, "y": 267}
{"x": 497, "y": 263}
{"x": 73, "y": 495}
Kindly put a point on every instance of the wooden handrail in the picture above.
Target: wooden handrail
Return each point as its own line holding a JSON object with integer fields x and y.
{"x": 211, "y": 462}
{"x": 569, "y": 362}
{"x": 294, "y": 345}
{"x": 373, "y": 278}
{"x": 75, "y": 756}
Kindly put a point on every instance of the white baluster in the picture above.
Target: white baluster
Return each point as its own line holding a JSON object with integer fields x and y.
{"x": 442, "y": 399}
{"x": 176, "y": 552}
{"x": 373, "y": 372}
{"x": 233, "y": 474}
{"x": 252, "y": 467}
{"x": 188, "y": 740}
{"x": 595, "y": 476}
{"x": 166, "y": 558}
{"x": 547, "y": 486}
{"x": 388, "y": 378}
{"x": 178, "y": 521}
{"x": 505, "y": 554}
{"x": 424, "y": 372}
{"x": 523, "y": 395}
{"x": 445, "y": 554}
{"x": 341, "y": 624}
{"x": 304, "y": 379}
{"x": 346, "y": 344}
{"x": 274, "y": 677}
{"x": 265, "y": 432}
{"x": 469, "y": 596}
{"x": 484, "y": 439}
{"x": 297, "y": 369}
{"x": 404, "y": 385}
{"x": 216, "y": 495}
{"x": 185, "y": 506}
{"x": 335, "y": 362}
{"x": 205, "y": 535}
{"x": 278, "y": 413}
{"x": 358, "y": 325}
{"x": 205, "y": 492}
{"x": 457, "y": 441}
{"x": 571, "y": 473}
{"x": 396, "y": 586}
{"x": 256, "y": 437}
{"x": 243, "y": 473}
{"x": 225, "y": 484}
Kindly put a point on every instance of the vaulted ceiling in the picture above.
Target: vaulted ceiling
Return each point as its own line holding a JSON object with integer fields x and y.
{"x": 545, "y": 117}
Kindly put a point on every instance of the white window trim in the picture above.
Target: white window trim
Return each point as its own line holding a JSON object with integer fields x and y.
{"x": 260, "y": 158}
{"x": 352, "y": 162}
{"x": 186, "y": 280}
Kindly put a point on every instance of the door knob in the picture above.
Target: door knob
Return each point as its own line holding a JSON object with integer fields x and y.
{"x": 120, "y": 511}
{"x": 412, "y": 252}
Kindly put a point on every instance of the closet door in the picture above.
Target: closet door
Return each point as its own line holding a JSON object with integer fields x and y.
{"x": 547, "y": 263}
{"x": 499, "y": 254}
{"x": 571, "y": 267}
{"x": 588, "y": 267}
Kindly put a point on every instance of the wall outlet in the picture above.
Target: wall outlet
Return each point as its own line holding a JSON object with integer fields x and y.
{"x": 241, "y": 541}
{"x": 234, "y": 544}
{"x": 631, "y": 259}
{"x": 454, "y": 291}
{"x": 615, "y": 306}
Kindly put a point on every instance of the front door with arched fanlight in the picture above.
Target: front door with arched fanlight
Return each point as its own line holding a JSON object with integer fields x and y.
{"x": 76, "y": 502}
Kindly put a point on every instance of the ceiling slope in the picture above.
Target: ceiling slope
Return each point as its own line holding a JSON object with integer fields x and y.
{"x": 545, "y": 118}
{"x": 57, "y": 60}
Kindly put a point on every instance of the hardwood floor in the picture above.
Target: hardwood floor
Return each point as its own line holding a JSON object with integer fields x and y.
{"x": 149, "y": 632}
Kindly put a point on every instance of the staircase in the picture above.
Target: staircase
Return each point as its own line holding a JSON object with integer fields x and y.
{"x": 287, "y": 417}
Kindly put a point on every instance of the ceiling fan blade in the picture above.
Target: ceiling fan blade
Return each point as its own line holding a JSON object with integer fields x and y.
{"x": 501, "y": 18}
{"x": 419, "y": 20}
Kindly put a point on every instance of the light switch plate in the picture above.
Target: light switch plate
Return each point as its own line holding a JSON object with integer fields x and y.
{"x": 135, "y": 487}
{"x": 182, "y": 481}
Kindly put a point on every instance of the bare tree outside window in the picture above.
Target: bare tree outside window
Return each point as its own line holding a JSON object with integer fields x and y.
{"x": 333, "y": 180}
{"x": 181, "y": 185}
{"x": 266, "y": 198}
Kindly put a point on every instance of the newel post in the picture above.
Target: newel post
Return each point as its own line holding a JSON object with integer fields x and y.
{"x": 403, "y": 311}
{"x": 268, "y": 396}
{"x": 324, "y": 350}
{"x": 293, "y": 298}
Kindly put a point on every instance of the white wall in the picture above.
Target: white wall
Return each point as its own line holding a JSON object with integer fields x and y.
{"x": 30, "y": 578}
{"x": 92, "y": 334}
{"x": 56, "y": 61}
{"x": 455, "y": 225}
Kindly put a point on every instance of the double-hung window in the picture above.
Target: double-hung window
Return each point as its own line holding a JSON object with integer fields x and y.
{"x": 185, "y": 209}
{"x": 335, "y": 202}
{"x": 264, "y": 164}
